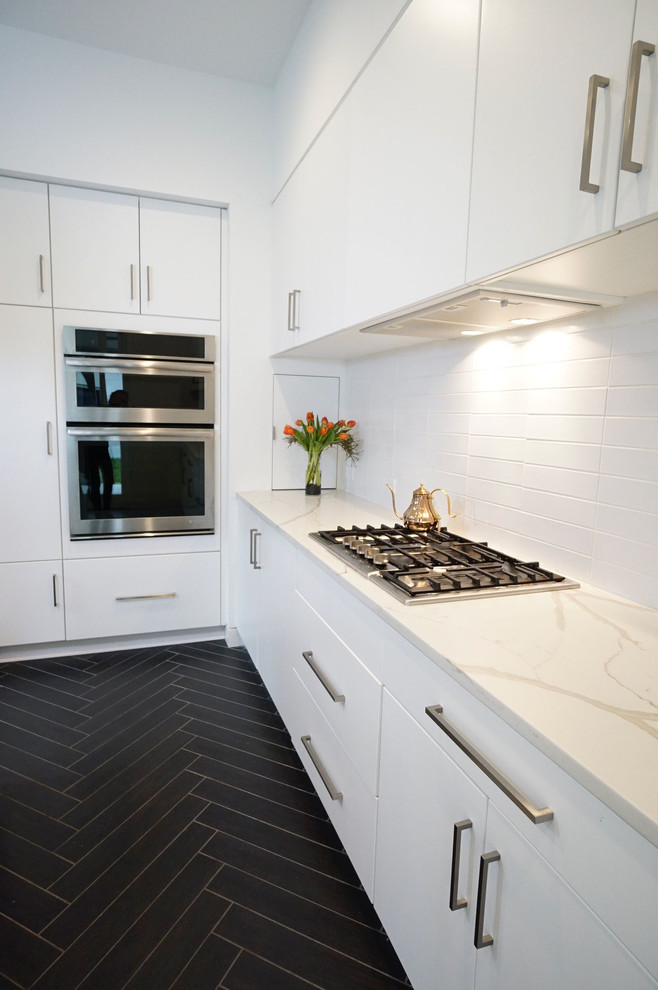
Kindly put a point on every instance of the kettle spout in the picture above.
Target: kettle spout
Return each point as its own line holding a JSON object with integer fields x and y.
{"x": 393, "y": 500}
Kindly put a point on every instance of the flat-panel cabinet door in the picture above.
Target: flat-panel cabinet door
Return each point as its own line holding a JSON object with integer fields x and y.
{"x": 180, "y": 259}
{"x": 247, "y": 585}
{"x": 25, "y": 255}
{"x": 535, "y": 66}
{"x": 95, "y": 246}
{"x": 31, "y": 603}
{"x": 29, "y": 494}
{"x": 544, "y": 935}
{"x": 423, "y": 795}
{"x": 411, "y": 132}
{"x": 638, "y": 177}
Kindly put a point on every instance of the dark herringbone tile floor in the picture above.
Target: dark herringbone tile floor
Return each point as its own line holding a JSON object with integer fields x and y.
{"x": 157, "y": 830}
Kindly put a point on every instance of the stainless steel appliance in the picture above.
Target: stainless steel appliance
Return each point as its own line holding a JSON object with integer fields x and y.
{"x": 433, "y": 566}
{"x": 140, "y": 435}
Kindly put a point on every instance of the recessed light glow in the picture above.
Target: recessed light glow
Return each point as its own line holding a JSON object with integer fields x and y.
{"x": 471, "y": 333}
{"x": 523, "y": 322}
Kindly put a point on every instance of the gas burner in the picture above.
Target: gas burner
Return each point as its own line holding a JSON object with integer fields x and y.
{"x": 435, "y": 566}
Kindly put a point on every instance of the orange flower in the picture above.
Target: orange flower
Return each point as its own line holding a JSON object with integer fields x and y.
{"x": 323, "y": 431}
{"x": 309, "y": 417}
{"x": 341, "y": 422}
{"x": 330, "y": 426}
{"x": 288, "y": 431}
{"x": 298, "y": 422}
{"x": 343, "y": 436}
{"x": 324, "y": 419}
{"x": 351, "y": 423}
{"x": 310, "y": 429}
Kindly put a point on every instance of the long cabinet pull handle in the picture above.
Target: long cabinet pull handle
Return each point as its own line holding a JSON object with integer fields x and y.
{"x": 334, "y": 793}
{"x": 133, "y": 282}
{"x": 257, "y": 566}
{"x": 149, "y": 283}
{"x": 290, "y": 310}
{"x": 457, "y": 902}
{"x": 42, "y": 273}
{"x": 296, "y": 293}
{"x": 639, "y": 49}
{"x": 595, "y": 83}
{"x": 536, "y": 815}
{"x": 49, "y": 438}
{"x": 143, "y": 598}
{"x": 481, "y": 941}
{"x": 251, "y": 546}
{"x": 322, "y": 677}
{"x": 55, "y": 592}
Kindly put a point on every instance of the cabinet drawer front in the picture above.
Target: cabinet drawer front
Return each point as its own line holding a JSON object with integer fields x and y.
{"x": 343, "y": 689}
{"x": 122, "y": 596}
{"x": 353, "y": 813}
{"x": 610, "y": 865}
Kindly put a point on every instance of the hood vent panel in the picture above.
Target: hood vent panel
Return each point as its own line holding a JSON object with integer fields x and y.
{"x": 480, "y": 310}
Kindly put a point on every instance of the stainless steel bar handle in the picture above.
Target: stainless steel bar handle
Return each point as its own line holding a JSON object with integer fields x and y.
{"x": 639, "y": 49}
{"x": 595, "y": 83}
{"x": 133, "y": 282}
{"x": 536, "y": 815}
{"x": 257, "y": 566}
{"x": 149, "y": 283}
{"x": 143, "y": 598}
{"x": 296, "y": 294}
{"x": 49, "y": 438}
{"x": 42, "y": 273}
{"x": 322, "y": 677}
{"x": 251, "y": 546}
{"x": 290, "y": 312}
{"x": 457, "y": 902}
{"x": 481, "y": 941}
{"x": 55, "y": 592}
{"x": 334, "y": 793}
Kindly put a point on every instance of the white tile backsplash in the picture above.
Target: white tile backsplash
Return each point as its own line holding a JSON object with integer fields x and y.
{"x": 547, "y": 443}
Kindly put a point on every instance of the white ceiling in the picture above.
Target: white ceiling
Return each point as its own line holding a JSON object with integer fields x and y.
{"x": 240, "y": 39}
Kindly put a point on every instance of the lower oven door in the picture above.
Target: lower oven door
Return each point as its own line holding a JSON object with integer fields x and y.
{"x": 140, "y": 481}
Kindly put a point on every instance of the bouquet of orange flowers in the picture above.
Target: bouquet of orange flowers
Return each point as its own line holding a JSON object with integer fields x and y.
{"x": 315, "y": 435}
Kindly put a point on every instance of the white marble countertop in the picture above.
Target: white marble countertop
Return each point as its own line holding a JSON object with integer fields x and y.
{"x": 573, "y": 671}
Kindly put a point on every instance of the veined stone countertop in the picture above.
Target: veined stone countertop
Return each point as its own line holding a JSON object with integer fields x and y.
{"x": 574, "y": 671}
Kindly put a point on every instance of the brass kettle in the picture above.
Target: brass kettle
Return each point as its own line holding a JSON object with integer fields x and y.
{"x": 421, "y": 515}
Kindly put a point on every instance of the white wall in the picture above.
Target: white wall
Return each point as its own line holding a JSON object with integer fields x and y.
{"x": 73, "y": 113}
{"x": 548, "y": 445}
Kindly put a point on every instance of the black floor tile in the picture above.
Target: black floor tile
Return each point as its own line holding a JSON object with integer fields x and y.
{"x": 158, "y": 831}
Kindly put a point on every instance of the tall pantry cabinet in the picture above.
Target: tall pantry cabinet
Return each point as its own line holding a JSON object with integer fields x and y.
{"x": 31, "y": 607}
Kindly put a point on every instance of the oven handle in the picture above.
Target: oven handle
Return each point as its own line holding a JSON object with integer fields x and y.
{"x": 112, "y": 364}
{"x": 139, "y": 431}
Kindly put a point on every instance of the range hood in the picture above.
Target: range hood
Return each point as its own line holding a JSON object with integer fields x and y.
{"x": 482, "y": 310}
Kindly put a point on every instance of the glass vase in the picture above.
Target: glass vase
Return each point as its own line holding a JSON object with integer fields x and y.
{"x": 313, "y": 473}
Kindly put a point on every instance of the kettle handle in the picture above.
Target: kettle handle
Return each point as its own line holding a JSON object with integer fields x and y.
{"x": 393, "y": 497}
{"x": 451, "y": 515}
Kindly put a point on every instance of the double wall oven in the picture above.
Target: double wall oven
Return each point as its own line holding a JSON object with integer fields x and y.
{"x": 140, "y": 411}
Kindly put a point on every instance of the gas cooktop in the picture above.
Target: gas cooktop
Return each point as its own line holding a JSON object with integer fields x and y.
{"x": 419, "y": 568}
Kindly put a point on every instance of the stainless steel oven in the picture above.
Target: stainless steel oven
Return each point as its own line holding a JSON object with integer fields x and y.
{"x": 140, "y": 433}
{"x": 138, "y": 377}
{"x": 128, "y": 481}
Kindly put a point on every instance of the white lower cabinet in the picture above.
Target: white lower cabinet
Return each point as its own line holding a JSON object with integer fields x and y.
{"x": 465, "y": 898}
{"x": 31, "y": 602}
{"x": 122, "y": 596}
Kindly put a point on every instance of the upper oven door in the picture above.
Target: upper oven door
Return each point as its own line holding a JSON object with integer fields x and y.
{"x": 110, "y": 390}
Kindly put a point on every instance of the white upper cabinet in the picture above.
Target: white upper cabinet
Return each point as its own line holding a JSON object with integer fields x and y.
{"x": 411, "y": 128}
{"x": 119, "y": 253}
{"x": 29, "y": 496}
{"x": 95, "y": 240}
{"x": 638, "y": 178}
{"x": 25, "y": 255}
{"x": 181, "y": 259}
{"x": 538, "y": 64}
